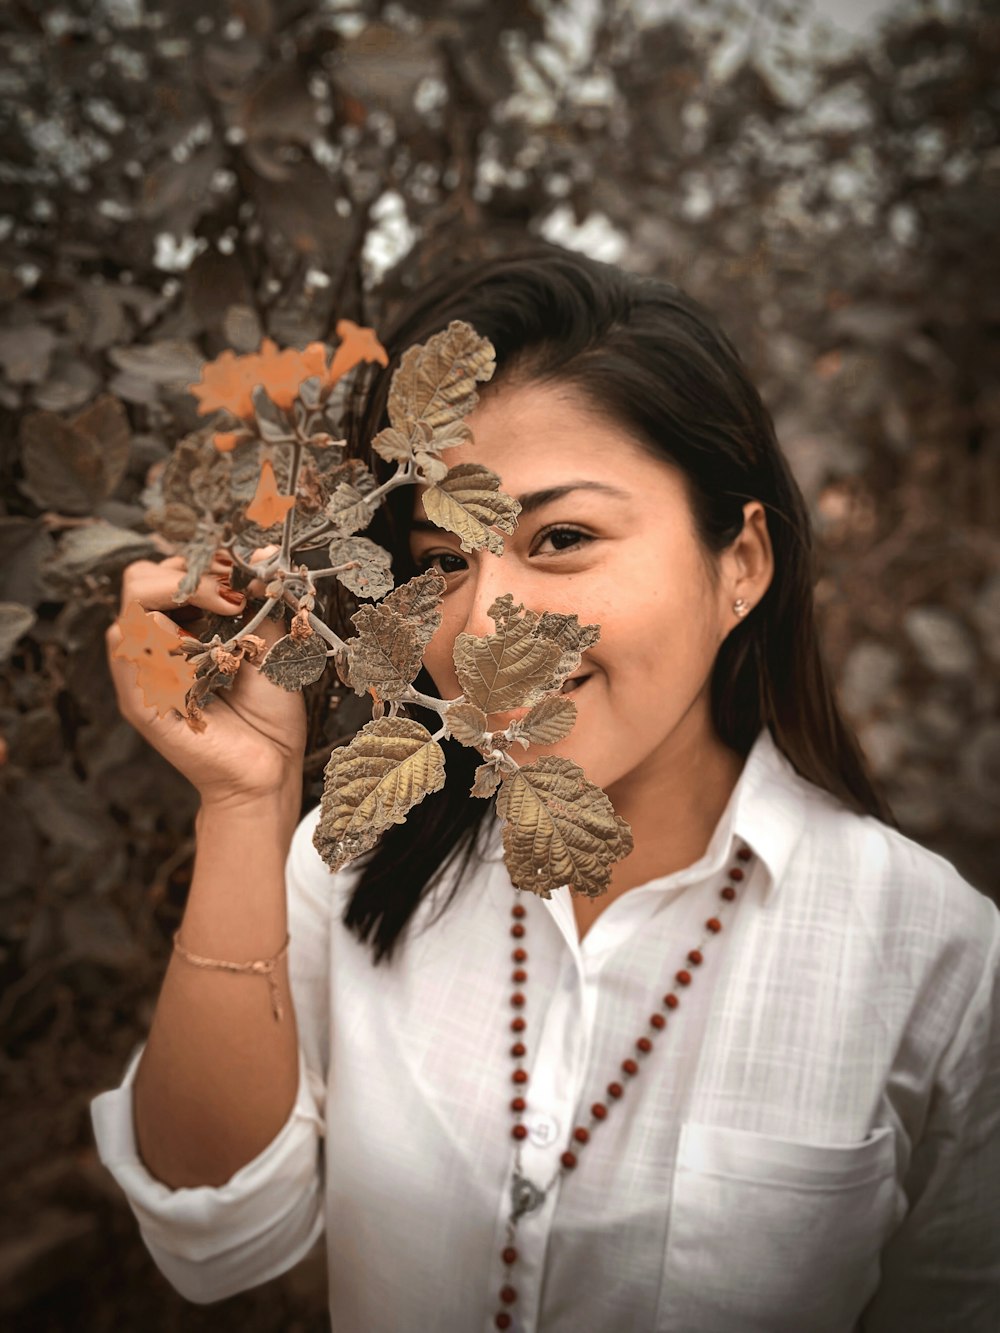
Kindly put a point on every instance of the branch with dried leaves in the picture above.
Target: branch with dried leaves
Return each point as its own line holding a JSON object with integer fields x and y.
{"x": 272, "y": 459}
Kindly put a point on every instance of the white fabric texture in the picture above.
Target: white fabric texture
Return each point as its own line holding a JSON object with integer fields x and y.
{"x": 813, "y": 1143}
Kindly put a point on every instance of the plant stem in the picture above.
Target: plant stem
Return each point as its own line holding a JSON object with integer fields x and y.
{"x": 403, "y": 476}
{"x": 285, "y": 554}
{"x": 440, "y": 706}
{"x": 333, "y": 569}
{"x": 326, "y": 633}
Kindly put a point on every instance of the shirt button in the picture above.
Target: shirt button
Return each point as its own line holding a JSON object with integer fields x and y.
{"x": 542, "y": 1130}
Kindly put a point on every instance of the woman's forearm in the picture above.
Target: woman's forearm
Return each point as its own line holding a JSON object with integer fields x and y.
{"x": 219, "y": 1076}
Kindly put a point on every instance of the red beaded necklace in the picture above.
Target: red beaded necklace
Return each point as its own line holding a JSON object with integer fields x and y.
{"x": 526, "y": 1196}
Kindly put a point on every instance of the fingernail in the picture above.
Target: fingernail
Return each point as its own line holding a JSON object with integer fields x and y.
{"x": 236, "y": 598}
{"x": 223, "y": 558}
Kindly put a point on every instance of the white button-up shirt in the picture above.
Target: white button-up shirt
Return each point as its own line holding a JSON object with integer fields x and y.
{"x": 813, "y": 1145}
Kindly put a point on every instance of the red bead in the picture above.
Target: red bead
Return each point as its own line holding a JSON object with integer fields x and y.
{"x": 714, "y": 924}
{"x": 630, "y": 1067}
{"x": 615, "y": 1089}
{"x": 580, "y": 1134}
{"x": 519, "y": 1076}
{"x": 517, "y": 999}
{"x": 517, "y": 931}
{"x": 657, "y": 1020}
{"x": 509, "y": 1255}
{"x": 508, "y": 1295}
{"x": 517, "y": 911}
{"x": 683, "y": 978}
{"x": 671, "y": 1000}
{"x": 502, "y": 1320}
{"x": 729, "y": 893}
{"x": 518, "y": 1024}
{"x": 517, "y": 1103}
{"x": 568, "y": 1160}
{"x": 695, "y": 957}
{"x": 520, "y": 955}
{"x": 736, "y": 873}
{"x": 519, "y": 974}
{"x": 744, "y": 853}
{"x": 598, "y": 1110}
{"x": 644, "y": 1045}
{"x": 518, "y": 1049}
{"x": 519, "y": 1132}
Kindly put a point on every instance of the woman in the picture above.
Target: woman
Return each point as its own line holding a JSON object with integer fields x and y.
{"x": 755, "y": 1087}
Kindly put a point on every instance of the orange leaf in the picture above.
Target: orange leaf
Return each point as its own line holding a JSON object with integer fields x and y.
{"x": 225, "y": 440}
{"x": 227, "y": 382}
{"x": 358, "y": 344}
{"x": 282, "y": 372}
{"x": 163, "y": 672}
{"x": 268, "y": 506}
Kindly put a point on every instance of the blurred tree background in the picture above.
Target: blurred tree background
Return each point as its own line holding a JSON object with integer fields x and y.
{"x": 178, "y": 178}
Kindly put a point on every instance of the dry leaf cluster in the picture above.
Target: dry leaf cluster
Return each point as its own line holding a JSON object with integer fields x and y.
{"x": 272, "y": 410}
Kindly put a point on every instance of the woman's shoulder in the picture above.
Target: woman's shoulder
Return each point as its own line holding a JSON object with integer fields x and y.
{"x": 889, "y": 880}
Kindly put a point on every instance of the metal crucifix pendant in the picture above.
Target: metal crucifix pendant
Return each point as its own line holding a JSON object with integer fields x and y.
{"x": 524, "y": 1196}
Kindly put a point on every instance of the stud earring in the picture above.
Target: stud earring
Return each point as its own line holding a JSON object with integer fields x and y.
{"x": 741, "y": 606}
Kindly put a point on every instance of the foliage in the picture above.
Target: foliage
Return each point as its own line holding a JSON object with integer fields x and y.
{"x": 564, "y": 829}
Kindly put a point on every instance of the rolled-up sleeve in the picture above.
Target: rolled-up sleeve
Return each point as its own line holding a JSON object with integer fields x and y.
{"x": 211, "y": 1242}
{"x": 941, "y": 1269}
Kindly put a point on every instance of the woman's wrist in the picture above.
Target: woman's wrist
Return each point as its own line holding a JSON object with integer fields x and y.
{"x": 279, "y": 807}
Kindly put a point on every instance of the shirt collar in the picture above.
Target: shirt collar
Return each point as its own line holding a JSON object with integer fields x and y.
{"x": 766, "y": 811}
{"x": 768, "y": 808}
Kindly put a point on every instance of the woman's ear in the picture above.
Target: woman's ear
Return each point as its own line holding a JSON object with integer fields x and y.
{"x": 747, "y": 565}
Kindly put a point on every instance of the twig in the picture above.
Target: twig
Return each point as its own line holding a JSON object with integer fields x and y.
{"x": 413, "y": 696}
{"x": 285, "y": 554}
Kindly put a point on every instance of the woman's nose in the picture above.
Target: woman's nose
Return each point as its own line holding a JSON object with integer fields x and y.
{"x": 494, "y": 576}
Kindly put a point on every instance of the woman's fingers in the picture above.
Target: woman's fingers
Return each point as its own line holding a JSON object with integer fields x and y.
{"x": 153, "y": 586}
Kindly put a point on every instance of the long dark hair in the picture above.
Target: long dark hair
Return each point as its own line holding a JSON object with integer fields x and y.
{"x": 648, "y": 356}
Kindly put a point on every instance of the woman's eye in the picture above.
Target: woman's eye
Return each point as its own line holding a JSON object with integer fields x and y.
{"x": 564, "y": 539}
{"x": 447, "y": 562}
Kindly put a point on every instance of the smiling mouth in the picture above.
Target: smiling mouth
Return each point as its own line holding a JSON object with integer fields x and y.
{"x": 573, "y": 683}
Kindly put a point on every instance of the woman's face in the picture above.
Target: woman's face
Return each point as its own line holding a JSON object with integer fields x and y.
{"x": 605, "y": 533}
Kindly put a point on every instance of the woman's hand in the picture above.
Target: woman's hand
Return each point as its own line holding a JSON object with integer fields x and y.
{"x": 255, "y": 731}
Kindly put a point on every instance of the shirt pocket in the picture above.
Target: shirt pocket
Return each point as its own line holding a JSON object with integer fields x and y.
{"x": 769, "y": 1234}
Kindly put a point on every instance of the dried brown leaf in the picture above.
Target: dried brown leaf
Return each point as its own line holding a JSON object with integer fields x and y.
{"x": 385, "y": 654}
{"x": 15, "y": 621}
{"x": 387, "y": 769}
{"x": 549, "y": 721}
{"x": 487, "y": 779}
{"x": 559, "y": 829}
{"x": 370, "y": 572}
{"x": 295, "y": 662}
{"x": 418, "y": 601}
{"x": 105, "y": 421}
{"x": 347, "y": 506}
{"x": 505, "y": 670}
{"x": 573, "y": 638}
{"x": 468, "y": 502}
{"x": 435, "y": 380}
{"x": 466, "y": 723}
{"x": 63, "y": 468}
{"x": 395, "y": 446}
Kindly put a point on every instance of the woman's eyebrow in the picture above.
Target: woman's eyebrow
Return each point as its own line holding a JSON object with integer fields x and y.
{"x": 537, "y": 499}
